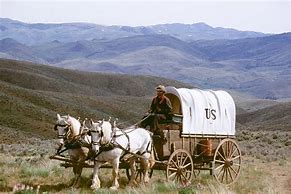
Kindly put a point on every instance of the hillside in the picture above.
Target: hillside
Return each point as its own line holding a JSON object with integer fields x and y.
{"x": 276, "y": 117}
{"x": 32, "y": 95}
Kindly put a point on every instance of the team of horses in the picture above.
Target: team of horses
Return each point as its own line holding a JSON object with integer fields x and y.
{"x": 103, "y": 142}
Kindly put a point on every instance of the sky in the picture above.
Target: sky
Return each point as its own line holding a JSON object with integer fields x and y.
{"x": 272, "y": 16}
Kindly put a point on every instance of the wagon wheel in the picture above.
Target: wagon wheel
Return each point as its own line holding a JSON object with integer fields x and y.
{"x": 138, "y": 176}
{"x": 180, "y": 167}
{"x": 227, "y": 162}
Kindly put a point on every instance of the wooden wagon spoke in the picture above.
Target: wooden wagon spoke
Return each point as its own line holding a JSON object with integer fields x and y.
{"x": 227, "y": 149}
{"x": 173, "y": 169}
{"x": 223, "y": 175}
{"x": 236, "y": 173}
{"x": 179, "y": 159}
{"x": 229, "y": 176}
{"x": 173, "y": 162}
{"x": 218, "y": 174}
{"x": 172, "y": 174}
{"x": 226, "y": 175}
{"x": 184, "y": 176}
{"x": 221, "y": 155}
{"x": 231, "y": 150}
{"x": 232, "y": 159}
{"x": 185, "y": 159}
{"x": 228, "y": 169}
{"x": 234, "y": 150}
{"x": 219, "y": 166}
{"x": 182, "y": 159}
{"x": 220, "y": 161}
{"x": 186, "y": 165}
{"x": 223, "y": 150}
{"x": 188, "y": 172}
{"x": 236, "y": 164}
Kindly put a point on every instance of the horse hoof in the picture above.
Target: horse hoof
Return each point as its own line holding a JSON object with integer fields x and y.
{"x": 146, "y": 180}
{"x": 94, "y": 187}
{"x": 114, "y": 188}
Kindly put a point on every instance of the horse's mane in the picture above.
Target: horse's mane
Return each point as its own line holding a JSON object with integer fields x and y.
{"x": 75, "y": 125}
{"x": 107, "y": 131}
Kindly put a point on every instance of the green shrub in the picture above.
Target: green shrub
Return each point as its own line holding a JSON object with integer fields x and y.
{"x": 27, "y": 171}
{"x": 3, "y": 183}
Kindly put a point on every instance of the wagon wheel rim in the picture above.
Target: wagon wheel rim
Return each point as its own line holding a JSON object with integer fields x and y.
{"x": 227, "y": 162}
{"x": 180, "y": 167}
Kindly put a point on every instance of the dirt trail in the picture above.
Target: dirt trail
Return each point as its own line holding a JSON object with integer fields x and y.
{"x": 280, "y": 175}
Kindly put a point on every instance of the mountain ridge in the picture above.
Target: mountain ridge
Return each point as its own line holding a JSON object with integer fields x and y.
{"x": 68, "y": 32}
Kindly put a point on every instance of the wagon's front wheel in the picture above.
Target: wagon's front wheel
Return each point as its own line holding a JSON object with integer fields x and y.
{"x": 227, "y": 162}
{"x": 180, "y": 167}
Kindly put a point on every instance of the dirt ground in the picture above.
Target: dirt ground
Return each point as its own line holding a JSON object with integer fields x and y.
{"x": 279, "y": 174}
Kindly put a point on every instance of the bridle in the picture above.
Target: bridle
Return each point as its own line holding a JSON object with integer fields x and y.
{"x": 67, "y": 129}
{"x": 101, "y": 135}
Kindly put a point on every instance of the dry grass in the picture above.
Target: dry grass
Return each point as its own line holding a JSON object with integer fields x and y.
{"x": 35, "y": 169}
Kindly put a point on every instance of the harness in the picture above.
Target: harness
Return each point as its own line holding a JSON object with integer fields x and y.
{"x": 113, "y": 144}
{"x": 74, "y": 143}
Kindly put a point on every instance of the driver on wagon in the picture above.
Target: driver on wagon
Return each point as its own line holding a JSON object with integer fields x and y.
{"x": 160, "y": 110}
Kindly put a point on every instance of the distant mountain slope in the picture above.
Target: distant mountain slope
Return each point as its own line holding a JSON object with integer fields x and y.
{"x": 31, "y": 95}
{"x": 257, "y": 66}
{"x": 55, "y": 52}
{"x": 268, "y": 51}
{"x": 277, "y": 117}
{"x": 202, "y": 31}
{"x": 32, "y": 34}
{"x": 16, "y": 50}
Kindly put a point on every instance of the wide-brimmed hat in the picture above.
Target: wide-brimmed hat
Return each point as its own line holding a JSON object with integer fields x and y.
{"x": 161, "y": 88}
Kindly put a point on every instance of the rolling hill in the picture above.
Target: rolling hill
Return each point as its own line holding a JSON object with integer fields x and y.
{"x": 32, "y": 95}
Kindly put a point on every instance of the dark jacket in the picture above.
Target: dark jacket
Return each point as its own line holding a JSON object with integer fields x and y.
{"x": 161, "y": 106}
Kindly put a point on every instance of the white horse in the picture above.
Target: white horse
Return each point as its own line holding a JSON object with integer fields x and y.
{"x": 69, "y": 131}
{"x": 131, "y": 140}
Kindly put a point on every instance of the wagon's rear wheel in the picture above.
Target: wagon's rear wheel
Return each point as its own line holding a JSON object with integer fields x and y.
{"x": 180, "y": 167}
{"x": 227, "y": 161}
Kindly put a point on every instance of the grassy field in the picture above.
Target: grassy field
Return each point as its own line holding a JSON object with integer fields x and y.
{"x": 28, "y": 165}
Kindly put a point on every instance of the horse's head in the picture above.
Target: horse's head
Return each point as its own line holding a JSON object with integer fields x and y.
{"x": 100, "y": 134}
{"x": 66, "y": 126}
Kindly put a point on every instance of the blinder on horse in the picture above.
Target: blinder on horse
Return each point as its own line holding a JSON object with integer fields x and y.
{"x": 66, "y": 129}
{"x": 93, "y": 140}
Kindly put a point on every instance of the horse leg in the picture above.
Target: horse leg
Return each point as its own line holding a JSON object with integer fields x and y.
{"x": 77, "y": 169}
{"x": 132, "y": 163}
{"x": 145, "y": 168}
{"x": 95, "y": 180}
{"x": 115, "y": 168}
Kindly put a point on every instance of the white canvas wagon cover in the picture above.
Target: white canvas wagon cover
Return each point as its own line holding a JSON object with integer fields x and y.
{"x": 205, "y": 112}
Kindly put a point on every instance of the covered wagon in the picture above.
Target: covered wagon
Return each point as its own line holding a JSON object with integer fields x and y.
{"x": 200, "y": 136}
